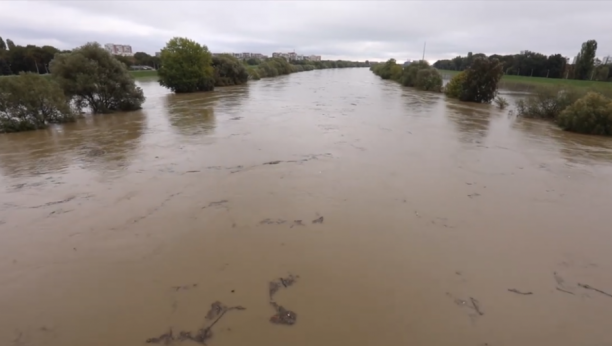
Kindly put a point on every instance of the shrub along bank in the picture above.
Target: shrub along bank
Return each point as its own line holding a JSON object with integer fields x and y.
{"x": 419, "y": 74}
{"x": 587, "y": 111}
{"x": 278, "y": 66}
{"x": 87, "y": 77}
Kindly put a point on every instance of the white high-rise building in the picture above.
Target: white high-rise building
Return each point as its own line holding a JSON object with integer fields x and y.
{"x": 119, "y": 49}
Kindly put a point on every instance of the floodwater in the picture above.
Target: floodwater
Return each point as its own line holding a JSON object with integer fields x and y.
{"x": 119, "y": 227}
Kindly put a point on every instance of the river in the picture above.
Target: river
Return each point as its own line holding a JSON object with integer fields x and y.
{"x": 408, "y": 218}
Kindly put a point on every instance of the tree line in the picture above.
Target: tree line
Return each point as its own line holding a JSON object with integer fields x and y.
{"x": 527, "y": 63}
{"x": 15, "y": 58}
{"x": 188, "y": 66}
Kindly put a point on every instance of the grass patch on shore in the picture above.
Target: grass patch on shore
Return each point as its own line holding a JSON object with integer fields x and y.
{"x": 511, "y": 80}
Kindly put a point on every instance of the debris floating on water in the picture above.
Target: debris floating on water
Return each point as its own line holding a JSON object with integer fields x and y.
{"x": 519, "y": 292}
{"x": 216, "y": 312}
{"x": 319, "y": 220}
{"x": 283, "y": 315}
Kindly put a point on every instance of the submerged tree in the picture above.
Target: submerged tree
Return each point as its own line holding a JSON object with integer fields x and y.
{"x": 95, "y": 79}
{"x": 229, "y": 71}
{"x": 591, "y": 114}
{"x": 454, "y": 88}
{"x": 30, "y": 101}
{"x": 186, "y": 66}
{"x": 481, "y": 78}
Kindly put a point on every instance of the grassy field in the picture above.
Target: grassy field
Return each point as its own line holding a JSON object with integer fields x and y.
{"x": 540, "y": 81}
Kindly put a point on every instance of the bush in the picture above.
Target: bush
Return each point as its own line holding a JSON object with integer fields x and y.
{"x": 454, "y": 88}
{"x": 95, "y": 79}
{"x": 186, "y": 66}
{"x": 253, "y": 61}
{"x": 409, "y": 73}
{"x": 30, "y": 101}
{"x": 417, "y": 74}
{"x": 591, "y": 114}
{"x": 428, "y": 79}
{"x": 253, "y": 74}
{"x": 481, "y": 78}
{"x": 228, "y": 71}
{"x": 388, "y": 70}
{"x": 501, "y": 102}
{"x": 274, "y": 67}
{"x": 547, "y": 102}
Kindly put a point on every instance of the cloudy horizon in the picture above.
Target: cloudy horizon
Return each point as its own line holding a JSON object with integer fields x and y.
{"x": 357, "y": 30}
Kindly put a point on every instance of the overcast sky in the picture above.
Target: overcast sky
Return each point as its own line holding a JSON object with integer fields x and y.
{"x": 355, "y": 30}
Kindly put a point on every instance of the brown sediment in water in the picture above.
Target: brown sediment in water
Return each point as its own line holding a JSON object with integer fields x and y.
{"x": 430, "y": 211}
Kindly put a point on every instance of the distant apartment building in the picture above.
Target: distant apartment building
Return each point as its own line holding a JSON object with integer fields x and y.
{"x": 119, "y": 49}
{"x": 296, "y": 57}
{"x": 244, "y": 55}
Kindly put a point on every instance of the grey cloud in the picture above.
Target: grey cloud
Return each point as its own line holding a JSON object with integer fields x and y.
{"x": 374, "y": 30}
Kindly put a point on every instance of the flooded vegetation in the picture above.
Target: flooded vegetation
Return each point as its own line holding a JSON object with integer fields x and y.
{"x": 411, "y": 219}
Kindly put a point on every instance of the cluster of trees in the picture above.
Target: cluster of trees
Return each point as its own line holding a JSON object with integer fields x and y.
{"x": 15, "y": 59}
{"x": 187, "y": 66}
{"x": 86, "y": 78}
{"x": 418, "y": 74}
{"x": 528, "y": 63}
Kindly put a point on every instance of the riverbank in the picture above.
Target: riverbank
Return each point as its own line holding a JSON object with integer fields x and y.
{"x": 518, "y": 81}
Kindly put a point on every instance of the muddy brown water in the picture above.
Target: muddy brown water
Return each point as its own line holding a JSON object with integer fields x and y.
{"x": 119, "y": 227}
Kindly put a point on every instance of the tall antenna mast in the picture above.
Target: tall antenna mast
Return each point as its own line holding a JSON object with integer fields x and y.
{"x": 424, "y": 45}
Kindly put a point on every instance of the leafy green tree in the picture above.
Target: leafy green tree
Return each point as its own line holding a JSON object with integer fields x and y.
{"x": 388, "y": 70}
{"x": 586, "y": 60}
{"x": 30, "y": 101}
{"x": 454, "y": 88}
{"x": 409, "y": 73}
{"x": 481, "y": 80}
{"x": 126, "y": 60}
{"x": 2, "y": 44}
{"x": 601, "y": 73}
{"x": 186, "y": 66}
{"x": 253, "y": 61}
{"x": 428, "y": 79}
{"x": 592, "y": 114}
{"x": 19, "y": 60}
{"x": 95, "y": 79}
{"x": 555, "y": 66}
{"x": 229, "y": 71}
{"x": 10, "y": 44}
